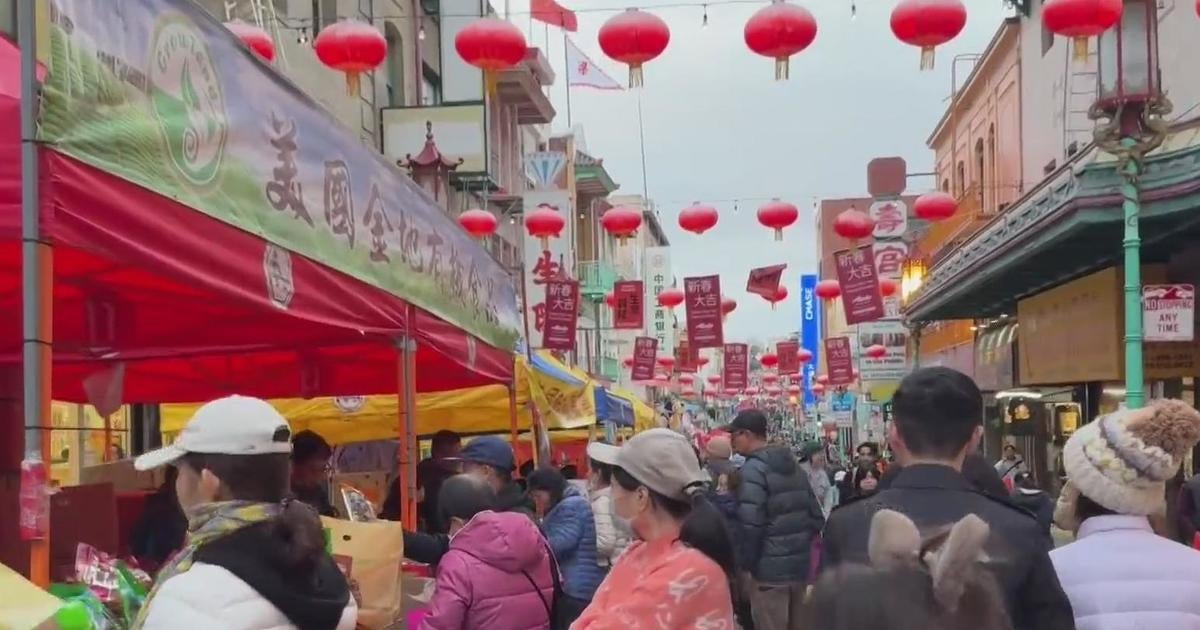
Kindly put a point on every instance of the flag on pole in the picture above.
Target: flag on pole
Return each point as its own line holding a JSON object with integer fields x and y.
{"x": 554, "y": 14}
{"x": 583, "y": 72}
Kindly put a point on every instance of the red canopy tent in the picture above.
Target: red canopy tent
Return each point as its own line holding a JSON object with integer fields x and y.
{"x": 196, "y": 301}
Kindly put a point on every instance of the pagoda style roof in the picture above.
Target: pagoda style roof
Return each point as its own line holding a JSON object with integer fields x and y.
{"x": 430, "y": 156}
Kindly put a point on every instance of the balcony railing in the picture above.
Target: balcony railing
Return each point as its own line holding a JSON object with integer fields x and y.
{"x": 596, "y": 279}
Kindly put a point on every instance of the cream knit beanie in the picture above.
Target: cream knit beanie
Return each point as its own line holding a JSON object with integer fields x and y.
{"x": 1123, "y": 460}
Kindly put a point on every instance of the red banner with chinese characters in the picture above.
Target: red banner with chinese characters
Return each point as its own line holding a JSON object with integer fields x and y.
{"x": 841, "y": 364}
{"x": 789, "y": 356}
{"x": 737, "y": 366}
{"x": 703, "y": 295}
{"x": 645, "y": 351}
{"x": 861, "y": 300}
{"x": 629, "y": 312}
{"x": 765, "y": 281}
{"x": 562, "y": 314}
{"x": 686, "y": 357}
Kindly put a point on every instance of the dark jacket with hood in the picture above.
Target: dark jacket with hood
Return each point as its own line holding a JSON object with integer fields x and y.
{"x": 779, "y": 516}
{"x": 429, "y": 548}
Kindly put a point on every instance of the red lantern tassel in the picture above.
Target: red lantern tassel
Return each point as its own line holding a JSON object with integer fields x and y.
{"x": 781, "y": 68}
{"x": 545, "y": 242}
{"x": 1080, "y": 48}
{"x": 927, "y": 57}
{"x": 778, "y": 234}
{"x": 490, "y": 81}
{"x": 352, "y": 82}
{"x": 635, "y": 75}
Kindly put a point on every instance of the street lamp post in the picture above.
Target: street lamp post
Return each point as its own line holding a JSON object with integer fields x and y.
{"x": 1130, "y": 115}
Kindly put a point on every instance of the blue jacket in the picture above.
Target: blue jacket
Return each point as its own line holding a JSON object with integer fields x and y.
{"x": 571, "y": 530}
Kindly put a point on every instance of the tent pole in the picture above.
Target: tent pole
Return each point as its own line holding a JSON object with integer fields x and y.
{"x": 514, "y": 429}
{"x": 36, "y": 284}
{"x": 414, "y": 446}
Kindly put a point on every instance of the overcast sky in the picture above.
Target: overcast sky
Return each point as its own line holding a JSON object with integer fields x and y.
{"x": 718, "y": 127}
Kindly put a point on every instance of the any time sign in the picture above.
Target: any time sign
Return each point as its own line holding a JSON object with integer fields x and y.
{"x": 1168, "y": 312}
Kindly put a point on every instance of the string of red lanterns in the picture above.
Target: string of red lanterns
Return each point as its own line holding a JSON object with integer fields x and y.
{"x": 478, "y": 223}
{"x": 634, "y": 38}
{"x": 853, "y": 224}
{"x": 491, "y": 44}
{"x": 670, "y": 298}
{"x": 351, "y": 47}
{"x": 779, "y": 31}
{"x": 698, "y": 218}
{"x": 544, "y": 223}
{"x": 928, "y": 24}
{"x": 778, "y": 215}
{"x": 622, "y": 222}
{"x": 255, "y": 38}
{"x": 1082, "y": 20}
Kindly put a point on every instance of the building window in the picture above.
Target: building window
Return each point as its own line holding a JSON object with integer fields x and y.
{"x": 960, "y": 178}
{"x": 395, "y": 65}
{"x": 945, "y": 185}
{"x": 325, "y": 12}
{"x": 431, "y": 87}
{"x": 994, "y": 171}
{"x": 980, "y": 170}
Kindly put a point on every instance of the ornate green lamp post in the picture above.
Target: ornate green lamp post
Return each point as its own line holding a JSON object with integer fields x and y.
{"x": 1130, "y": 115}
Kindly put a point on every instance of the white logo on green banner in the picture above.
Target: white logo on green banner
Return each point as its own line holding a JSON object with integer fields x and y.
{"x": 187, "y": 98}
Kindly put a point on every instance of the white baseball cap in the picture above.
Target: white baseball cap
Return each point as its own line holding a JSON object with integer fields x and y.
{"x": 661, "y": 459}
{"x": 234, "y": 425}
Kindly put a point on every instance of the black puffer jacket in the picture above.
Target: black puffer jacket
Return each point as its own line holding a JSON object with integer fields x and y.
{"x": 779, "y": 516}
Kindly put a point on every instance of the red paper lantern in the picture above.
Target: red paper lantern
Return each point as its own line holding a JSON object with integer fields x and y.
{"x": 544, "y": 223}
{"x": 822, "y": 379}
{"x": 779, "y": 31}
{"x": 751, "y": 391}
{"x": 622, "y": 222}
{"x": 828, "y": 290}
{"x": 667, "y": 362}
{"x": 928, "y": 24}
{"x": 491, "y": 44}
{"x": 773, "y": 391}
{"x": 818, "y": 389}
{"x": 714, "y": 380}
{"x": 670, "y": 298}
{"x": 876, "y": 351}
{"x": 255, "y": 38}
{"x": 731, "y": 391}
{"x": 478, "y": 223}
{"x": 351, "y": 47}
{"x": 627, "y": 362}
{"x": 778, "y": 215}
{"x": 687, "y": 379}
{"x": 770, "y": 379}
{"x": 611, "y": 300}
{"x": 781, "y": 294}
{"x": 1081, "y": 20}
{"x": 935, "y": 206}
{"x": 633, "y": 38}
{"x": 804, "y": 356}
{"x": 794, "y": 389}
{"x": 728, "y": 305}
{"x": 769, "y": 360}
{"x": 702, "y": 361}
{"x": 888, "y": 287}
{"x": 698, "y": 218}
{"x": 853, "y": 224}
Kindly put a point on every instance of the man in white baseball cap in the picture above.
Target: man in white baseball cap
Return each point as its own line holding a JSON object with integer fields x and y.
{"x": 252, "y": 560}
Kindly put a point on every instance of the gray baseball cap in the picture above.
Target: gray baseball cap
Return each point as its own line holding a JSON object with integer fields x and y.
{"x": 661, "y": 459}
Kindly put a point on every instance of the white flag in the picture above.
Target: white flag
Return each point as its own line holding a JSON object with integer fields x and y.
{"x": 583, "y": 72}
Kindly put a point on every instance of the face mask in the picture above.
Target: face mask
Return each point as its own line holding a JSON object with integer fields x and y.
{"x": 625, "y": 514}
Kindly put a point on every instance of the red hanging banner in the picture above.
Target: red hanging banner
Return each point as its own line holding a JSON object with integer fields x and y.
{"x": 841, "y": 364}
{"x": 562, "y": 314}
{"x": 736, "y": 366}
{"x": 789, "y": 356}
{"x": 861, "y": 300}
{"x": 765, "y": 281}
{"x": 704, "y": 325}
{"x": 645, "y": 351}
{"x": 686, "y": 357}
{"x": 629, "y": 312}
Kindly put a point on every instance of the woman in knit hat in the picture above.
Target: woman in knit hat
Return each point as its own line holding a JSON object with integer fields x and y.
{"x": 1119, "y": 574}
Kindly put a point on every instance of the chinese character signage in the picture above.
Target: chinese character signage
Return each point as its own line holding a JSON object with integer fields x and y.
{"x": 891, "y": 334}
{"x": 660, "y": 322}
{"x": 889, "y": 262}
{"x": 810, "y": 333}
{"x": 789, "y": 356}
{"x": 840, "y": 361}
{"x": 157, "y": 93}
{"x": 686, "y": 356}
{"x": 645, "y": 351}
{"x": 860, "y": 284}
{"x": 891, "y": 218}
{"x": 562, "y": 314}
{"x": 545, "y": 264}
{"x": 629, "y": 312}
{"x": 1168, "y": 312}
{"x": 737, "y": 366}
{"x": 703, "y": 295}
{"x": 764, "y": 281}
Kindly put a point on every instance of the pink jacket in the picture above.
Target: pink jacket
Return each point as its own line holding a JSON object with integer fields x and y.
{"x": 480, "y": 580}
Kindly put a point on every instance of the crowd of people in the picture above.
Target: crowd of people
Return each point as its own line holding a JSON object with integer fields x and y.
{"x": 743, "y": 532}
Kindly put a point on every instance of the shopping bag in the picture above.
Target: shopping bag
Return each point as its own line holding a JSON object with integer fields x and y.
{"x": 370, "y": 554}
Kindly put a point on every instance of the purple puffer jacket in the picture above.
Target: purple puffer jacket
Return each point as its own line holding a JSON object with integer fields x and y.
{"x": 480, "y": 583}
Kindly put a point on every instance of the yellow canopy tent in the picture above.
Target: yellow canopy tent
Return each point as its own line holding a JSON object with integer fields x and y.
{"x": 563, "y": 400}
{"x": 643, "y": 414}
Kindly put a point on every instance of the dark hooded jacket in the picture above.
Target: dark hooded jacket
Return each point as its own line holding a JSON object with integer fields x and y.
{"x": 779, "y": 516}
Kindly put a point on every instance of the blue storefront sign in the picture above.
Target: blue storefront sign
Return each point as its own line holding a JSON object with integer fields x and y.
{"x": 810, "y": 333}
